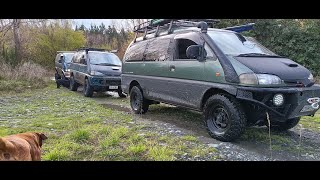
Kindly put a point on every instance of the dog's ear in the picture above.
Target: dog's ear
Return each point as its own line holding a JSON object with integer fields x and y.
{"x": 41, "y": 138}
{"x": 2, "y": 144}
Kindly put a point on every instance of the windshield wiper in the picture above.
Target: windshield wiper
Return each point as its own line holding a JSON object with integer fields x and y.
{"x": 258, "y": 55}
{"x": 106, "y": 64}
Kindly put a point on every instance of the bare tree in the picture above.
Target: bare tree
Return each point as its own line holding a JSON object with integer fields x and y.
{"x": 16, "y": 37}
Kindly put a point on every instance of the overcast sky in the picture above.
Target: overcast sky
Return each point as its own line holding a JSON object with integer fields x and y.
{"x": 87, "y": 22}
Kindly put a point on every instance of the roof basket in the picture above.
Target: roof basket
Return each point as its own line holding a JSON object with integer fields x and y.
{"x": 154, "y": 25}
{"x": 90, "y": 49}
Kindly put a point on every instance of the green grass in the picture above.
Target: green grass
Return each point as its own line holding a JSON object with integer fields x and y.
{"x": 189, "y": 138}
{"x": 161, "y": 153}
{"x": 21, "y": 85}
{"x": 80, "y": 135}
{"x": 311, "y": 122}
{"x": 80, "y": 129}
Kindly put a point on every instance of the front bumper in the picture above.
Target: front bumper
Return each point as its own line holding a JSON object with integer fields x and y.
{"x": 104, "y": 83}
{"x": 296, "y": 98}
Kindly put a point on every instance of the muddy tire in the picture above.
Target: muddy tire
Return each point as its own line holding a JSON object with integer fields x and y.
{"x": 224, "y": 117}
{"x": 73, "y": 84}
{"x": 283, "y": 126}
{"x": 120, "y": 93}
{"x": 57, "y": 77}
{"x": 138, "y": 103}
{"x": 87, "y": 89}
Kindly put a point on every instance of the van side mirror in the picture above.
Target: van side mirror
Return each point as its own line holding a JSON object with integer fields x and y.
{"x": 196, "y": 52}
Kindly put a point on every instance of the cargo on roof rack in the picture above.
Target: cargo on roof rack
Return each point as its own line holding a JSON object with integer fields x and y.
{"x": 240, "y": 28}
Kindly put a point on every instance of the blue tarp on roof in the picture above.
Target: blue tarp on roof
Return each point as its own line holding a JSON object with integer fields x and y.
{"x": 242, "y": 28}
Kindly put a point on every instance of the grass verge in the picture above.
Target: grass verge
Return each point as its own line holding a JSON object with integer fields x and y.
{"x": 80, "y": 129}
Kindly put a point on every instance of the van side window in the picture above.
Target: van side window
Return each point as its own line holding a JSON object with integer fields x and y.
{"x": 210, "y": 53}
{"x": 135, "y": 51}
{"x": 181, "y": 48}
{"x": 82, "y": 58}
{"x": 158, "y": 49}
{"x": 57, "y": 57}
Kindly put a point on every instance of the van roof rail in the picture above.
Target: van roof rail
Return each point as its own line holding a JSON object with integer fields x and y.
{"x": 90, "y": 49}
{"x": 154, "y": 25}
{"x": 66, "y": 51}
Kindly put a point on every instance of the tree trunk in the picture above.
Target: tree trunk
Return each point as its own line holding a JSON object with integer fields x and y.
{"x": 17, "y": 41}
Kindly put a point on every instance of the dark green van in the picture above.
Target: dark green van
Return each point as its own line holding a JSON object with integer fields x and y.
{"x": 232, "y": 79}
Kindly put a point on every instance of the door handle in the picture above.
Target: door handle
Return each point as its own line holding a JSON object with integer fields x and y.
{"x": 172, "y": 67}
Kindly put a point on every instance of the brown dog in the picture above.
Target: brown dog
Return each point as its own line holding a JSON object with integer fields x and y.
{"x": 22, "y": 147}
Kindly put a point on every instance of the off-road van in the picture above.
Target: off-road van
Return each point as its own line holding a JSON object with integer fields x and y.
{"x": 96, "y": 70}
{"x": 235, "y": 81}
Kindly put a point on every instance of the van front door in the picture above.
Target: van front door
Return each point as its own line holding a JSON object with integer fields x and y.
{"x": 185, "y": 75}
{"x": 157, "y": 55}
{"x": 82, "y": 69}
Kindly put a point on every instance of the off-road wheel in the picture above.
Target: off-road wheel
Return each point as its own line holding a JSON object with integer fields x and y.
{"x": 87, "y": 89}
{"x": 224, "y": 117}
{"x": 57, "y": 77}
{"x": 73, "y": 84}
{"x": 139, "y": 104}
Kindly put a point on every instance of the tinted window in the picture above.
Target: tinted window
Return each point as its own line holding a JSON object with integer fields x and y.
{"x": 158, "y": 49}
{"x": 135, "y": 51}
{"x": 234, "y": 43}
{"x": 182, "y": 45}
{"x": 103, "y": 58}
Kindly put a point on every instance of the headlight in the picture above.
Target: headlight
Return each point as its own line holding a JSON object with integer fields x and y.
{"x": 311, "y": 78}
{"x": 96, "y": 73}
{"x": 264, "y": 79}
{"x": 248, "y": 78}
{"x": 268, "y": 79}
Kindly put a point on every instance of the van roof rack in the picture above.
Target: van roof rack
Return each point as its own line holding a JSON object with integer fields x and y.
{"x": 154, "y": 25}
{"x": 66, "y": 51}
{"x": 90, "y": 49}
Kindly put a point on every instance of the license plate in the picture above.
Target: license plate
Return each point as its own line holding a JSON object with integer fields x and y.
{"x": 307, "y": 108}
{"x": 113, "y": 87}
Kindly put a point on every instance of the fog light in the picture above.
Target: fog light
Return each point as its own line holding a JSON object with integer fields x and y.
{"x": 278, "y": 99}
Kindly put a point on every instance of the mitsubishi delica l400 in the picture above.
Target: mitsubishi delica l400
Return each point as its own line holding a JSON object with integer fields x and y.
{"x": 232, "y": 79}
{"x": 96, "y": 70}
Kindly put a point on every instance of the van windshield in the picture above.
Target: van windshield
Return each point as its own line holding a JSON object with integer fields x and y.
{"x": 235, "y": 44}
{"x": 104, "y": 59}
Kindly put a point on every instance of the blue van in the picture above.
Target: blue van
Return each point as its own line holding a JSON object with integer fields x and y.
{"x": 96, "y": 70}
